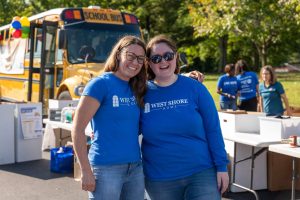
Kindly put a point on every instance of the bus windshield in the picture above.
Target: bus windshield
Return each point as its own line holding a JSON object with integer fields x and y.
{"x": 100, "y": 37}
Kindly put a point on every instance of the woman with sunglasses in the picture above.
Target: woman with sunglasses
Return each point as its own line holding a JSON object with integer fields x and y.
{"x": 183, "y": 150}
{"x": 113, "y": 170}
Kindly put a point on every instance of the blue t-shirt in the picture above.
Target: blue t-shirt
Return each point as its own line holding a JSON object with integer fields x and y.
{"x": 248, "y": 82}
{"x": 181, "y": 131}
{"x": 116, "y": 122}
{"x": 271, "y": 96}
{"x": 229, "y": 85}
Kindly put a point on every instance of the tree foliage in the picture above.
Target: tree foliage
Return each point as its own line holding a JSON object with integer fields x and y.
{"x": 264, "y": 23}
{"x": 265, "y": 31}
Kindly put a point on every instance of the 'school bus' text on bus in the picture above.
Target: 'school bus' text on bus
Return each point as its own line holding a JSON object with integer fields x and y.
{"x": 50, "y": 63}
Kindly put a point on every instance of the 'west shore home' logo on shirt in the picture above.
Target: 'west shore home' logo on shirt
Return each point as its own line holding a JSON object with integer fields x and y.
{"x": 165, "y": 105}
{"x": 123, "y": 101}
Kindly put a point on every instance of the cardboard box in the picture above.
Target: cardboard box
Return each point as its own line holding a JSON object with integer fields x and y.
{"x": 245, "y": 123}
{"x": 280, "y": 172}
{"x": 275, "y": 128}
{"x": 77, "y": 170}
{"x": 243, "y": 169}
{"x": 60, "y": 104}
{"x": 62, "y": 137}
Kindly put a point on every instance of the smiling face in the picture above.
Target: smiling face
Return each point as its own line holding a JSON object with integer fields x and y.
{"x": 266, "y": 75}
{"x": 129, "y": 59}
{"x": 164, "y": 69}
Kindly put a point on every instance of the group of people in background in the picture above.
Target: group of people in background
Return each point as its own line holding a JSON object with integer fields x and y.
{"x": 182, "y": 155}
{"x": 240, "y": 89}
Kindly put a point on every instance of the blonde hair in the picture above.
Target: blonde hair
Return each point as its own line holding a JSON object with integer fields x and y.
{"x": 138, "y": 82}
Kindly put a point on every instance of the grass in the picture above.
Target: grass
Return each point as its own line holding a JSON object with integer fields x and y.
{"x": 290, "y": 82}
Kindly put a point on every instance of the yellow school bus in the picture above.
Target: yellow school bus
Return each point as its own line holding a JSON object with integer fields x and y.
{"x": 65, "y": 48}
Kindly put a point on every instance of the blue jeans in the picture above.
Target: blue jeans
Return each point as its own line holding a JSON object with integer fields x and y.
{"x": 199, "y": 186}
{"x": 224, "y": 105}
{"x": 115, "y": 182}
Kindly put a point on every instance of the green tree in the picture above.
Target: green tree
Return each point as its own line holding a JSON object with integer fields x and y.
{"x": 263, "y": 23}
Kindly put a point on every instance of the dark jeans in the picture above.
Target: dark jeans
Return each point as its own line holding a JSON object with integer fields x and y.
{"x": 249, "y": 104}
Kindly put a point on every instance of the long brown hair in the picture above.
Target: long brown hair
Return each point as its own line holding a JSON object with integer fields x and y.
{"x": 156, "y": 40}
{"x": 138, "y": 82}
{"x": 270, "y": 69}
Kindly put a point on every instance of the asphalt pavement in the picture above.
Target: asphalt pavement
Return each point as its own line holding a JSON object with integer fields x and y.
{"x": 33, "y": 180}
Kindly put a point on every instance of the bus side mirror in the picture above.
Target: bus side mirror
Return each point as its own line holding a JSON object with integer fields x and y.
{"x": 182, "y": 58}
{"x": 62, "y": 39}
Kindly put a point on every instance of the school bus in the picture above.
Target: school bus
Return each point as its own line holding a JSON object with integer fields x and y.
{"x": 66, "y": 47}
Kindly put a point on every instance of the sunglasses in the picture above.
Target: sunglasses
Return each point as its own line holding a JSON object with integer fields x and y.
{"x": 168, "y": 56}
{"x": 131, "y": 57}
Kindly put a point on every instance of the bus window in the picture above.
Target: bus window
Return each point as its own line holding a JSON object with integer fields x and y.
{"x": 38, "y": 43}
{"x": 59, "y": 56}
{"x": 101, "y": 37}
{"x": 50, "y": 46}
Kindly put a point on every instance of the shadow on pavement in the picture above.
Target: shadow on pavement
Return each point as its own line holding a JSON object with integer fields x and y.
{"x": 39, "y": 169}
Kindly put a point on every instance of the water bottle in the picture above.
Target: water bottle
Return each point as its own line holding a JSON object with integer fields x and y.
{"x": 67, "y": 114}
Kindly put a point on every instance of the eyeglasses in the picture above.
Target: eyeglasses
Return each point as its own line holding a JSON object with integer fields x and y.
{"x": 131, "y": 57}
{"x": 168, "y": 56}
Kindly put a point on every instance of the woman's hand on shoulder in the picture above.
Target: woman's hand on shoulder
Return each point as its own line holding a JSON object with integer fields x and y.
{"x": 195, "y": 75}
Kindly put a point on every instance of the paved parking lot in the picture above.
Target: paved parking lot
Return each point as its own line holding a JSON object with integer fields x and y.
{"x": 34, "y": 181}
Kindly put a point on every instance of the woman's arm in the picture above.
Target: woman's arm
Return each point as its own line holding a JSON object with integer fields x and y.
{"x": 260, "y": 103}
{"x": 286, "y": 103}
{"x": 85, "y": 110}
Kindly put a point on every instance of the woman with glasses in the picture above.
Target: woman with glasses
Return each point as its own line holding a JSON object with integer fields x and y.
{"x": 113, "y": 170}
{"x": 183, "y": 150}
{"x": 270, "y": 94}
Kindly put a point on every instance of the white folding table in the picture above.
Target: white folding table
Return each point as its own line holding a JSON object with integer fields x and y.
{"x": 253, "y": 140}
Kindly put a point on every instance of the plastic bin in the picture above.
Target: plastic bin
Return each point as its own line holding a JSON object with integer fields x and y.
{"x": 244, "y": 123}
{"x": 271, "y": 127}
{"x": 62, "y": 160}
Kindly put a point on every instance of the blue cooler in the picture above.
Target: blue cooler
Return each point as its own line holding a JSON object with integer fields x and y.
{"x": 62, "y": 160}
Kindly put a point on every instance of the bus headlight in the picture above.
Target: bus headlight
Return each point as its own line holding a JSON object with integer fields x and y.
{"x": 79, "y": 90}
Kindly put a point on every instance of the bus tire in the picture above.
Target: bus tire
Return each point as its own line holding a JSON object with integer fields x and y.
{"x": 65, "y": 95}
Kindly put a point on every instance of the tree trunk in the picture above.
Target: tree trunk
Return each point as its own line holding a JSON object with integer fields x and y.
{"x": 223, "y": 52}
{"x": 264, "y": 55}
{"x": 256, "y": 58}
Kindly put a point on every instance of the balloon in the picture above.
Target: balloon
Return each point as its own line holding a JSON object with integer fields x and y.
{"x": 16, "y": 25}
{"x": 25, "y": 29}
{"x": 16, "y": 18}
{"x": 24, "y": 21}
{"x": 17, "y": 33}
{"x": 24, "y": 35}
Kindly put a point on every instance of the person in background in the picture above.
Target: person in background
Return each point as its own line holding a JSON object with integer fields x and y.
{"x": 113, "y": 169}
{"x": 271, "y": 94}
{"x": 183, "y": 150}
{"x": 248, "y": 81}
{"x": 227, "y": 87}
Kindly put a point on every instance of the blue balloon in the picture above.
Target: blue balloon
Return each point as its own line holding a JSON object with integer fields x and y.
{"x": 16, "y": 25}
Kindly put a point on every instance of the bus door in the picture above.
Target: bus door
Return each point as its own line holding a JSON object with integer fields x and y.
{"x": 43, "y": 46}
